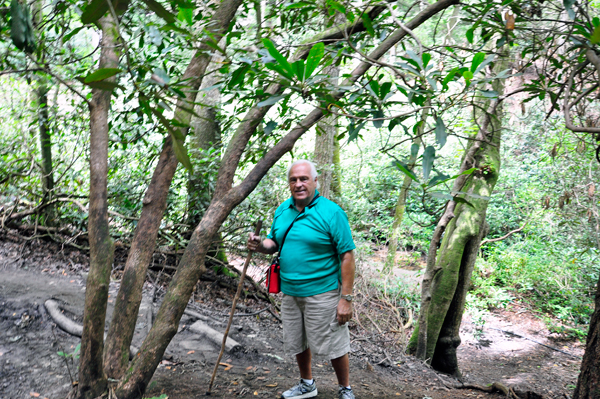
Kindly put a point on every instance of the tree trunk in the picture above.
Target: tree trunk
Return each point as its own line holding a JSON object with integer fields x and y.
{"x": 41, "y": 94}
{"x": 324, "y": 144}
{"x": 336, "y": 184}
{"x": 588, "y": 383}
{"x": 226, "y": 197}
{"x": 401, "y": 203}
{"x": 92, "y": 380}
{"x": 129, "y": 297}
{"x": 448, "y": 275}
{"x": 205, "y": 134}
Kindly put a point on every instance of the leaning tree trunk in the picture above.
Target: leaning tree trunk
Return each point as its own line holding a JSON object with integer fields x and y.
{"x": 588, "y": 383}
{"x": 92, "y": 379}
{"x": 227, "y": 197}
{"x": 129, "y": 297}
{"x": 462, "y": 225}
{"x": 401, "y": 203}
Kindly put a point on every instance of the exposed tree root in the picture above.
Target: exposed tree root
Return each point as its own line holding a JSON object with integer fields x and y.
{"x": 61, "y": 320}
{"x": 499, "y": 387}
{"x": 68, "y": 325}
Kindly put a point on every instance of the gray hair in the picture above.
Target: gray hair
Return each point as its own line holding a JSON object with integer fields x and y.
{"x": 313, "y": 169}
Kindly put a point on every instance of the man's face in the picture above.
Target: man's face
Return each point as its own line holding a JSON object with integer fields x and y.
{"x": 302, "y": 184}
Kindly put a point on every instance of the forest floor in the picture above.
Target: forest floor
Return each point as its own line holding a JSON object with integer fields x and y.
{"x": 514, "y": 348}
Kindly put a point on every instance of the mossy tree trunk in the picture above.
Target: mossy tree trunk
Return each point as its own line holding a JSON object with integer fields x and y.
{"x": 92, "y": 379}
{"x": 462, "y": 226}
{"x": 588, "y": 383}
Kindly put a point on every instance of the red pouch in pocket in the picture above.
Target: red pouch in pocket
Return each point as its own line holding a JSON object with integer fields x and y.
{"x": 273, "y": 280}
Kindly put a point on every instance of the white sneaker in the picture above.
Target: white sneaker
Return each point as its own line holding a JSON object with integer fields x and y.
{"x": 301, "y": 390}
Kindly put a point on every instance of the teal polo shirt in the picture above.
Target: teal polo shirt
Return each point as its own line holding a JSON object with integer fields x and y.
{"x": 310, "y": 262}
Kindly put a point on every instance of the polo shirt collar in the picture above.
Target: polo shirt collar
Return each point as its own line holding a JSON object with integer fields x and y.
{"x": 293, "y": 202}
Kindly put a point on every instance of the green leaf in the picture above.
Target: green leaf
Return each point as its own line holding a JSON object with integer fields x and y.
{"x": 269, "y": 127}
{"x": 270, "y": 101}
{"x": 354, "y": 130}
{"x": 449, "y": 77}
{"x": 415, "y": 58}
{"x": 440, "y": 132}
{"x": 414, "y": 150}
{"x": 489, "y": 93}
{"x": 299, "y": 69}
{"x": 160, "y": 11}
{"x": 101, "y": 74}
{"x": 281, "y": 60}
{"x": 428, "y": 158}
{"x": 237, "y": 77}
{"x": 182, "y": 154}
{"x": 368, "y": 23}
{"x": 596, "y": 21}
{"x": 426, "y": 57}
{"x": 332, "y": 4}
{"x": 405, "y": 169}
{"x": 441, "y": 195}
{"x": 314, "y": 57}
{"x": 71, "y": 34}
{"x": 569, "y": 7}
{"x": 470, "y": 34}
{"x": 186, "y": 14}
{"x": 595, "y": 38}
{"x": 94, "y": 11}
{"x": 477, "y": 59}
{"x": 21, "y": 27}
{"x": 488, "y": 59}
{"x": 384, "y": 90}
{"x": 468, "y": 75}
{"x": 378, "y": 115}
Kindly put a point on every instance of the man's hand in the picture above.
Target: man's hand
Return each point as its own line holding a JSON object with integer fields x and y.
{"x": 344, "y": 311}
{"x": 254, "y": 242}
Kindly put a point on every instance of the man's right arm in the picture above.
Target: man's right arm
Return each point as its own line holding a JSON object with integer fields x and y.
{"x": 266, "y": 246}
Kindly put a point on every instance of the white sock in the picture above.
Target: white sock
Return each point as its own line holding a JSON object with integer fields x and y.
{"x": 309, "y": 382}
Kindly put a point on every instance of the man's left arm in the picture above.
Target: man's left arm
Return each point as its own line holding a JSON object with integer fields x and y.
{"x": 344, "y": 309}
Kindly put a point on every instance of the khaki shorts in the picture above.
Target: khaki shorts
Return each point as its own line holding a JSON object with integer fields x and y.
{"x": 311, "y": 322}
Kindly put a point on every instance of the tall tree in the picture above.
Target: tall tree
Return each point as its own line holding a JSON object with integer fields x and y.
{"x": 92, "y": 379}
{"x": 458, "y": 235}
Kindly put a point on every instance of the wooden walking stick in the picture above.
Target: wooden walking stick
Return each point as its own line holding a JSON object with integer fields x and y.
{"x": 237, "y": 296}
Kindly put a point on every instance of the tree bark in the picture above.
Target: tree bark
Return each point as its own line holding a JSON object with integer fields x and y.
{"x": 588, "y": 383}
{"x": 41, "y": 94}
{"x": 401, "y": 203}
{"x": 191, "y": 266}
{"x": 325, "y": 144}
{"x": 92, "y": 379}
{"x": 129, "y": 297}
{"x": 448, "y": 275}
{"x": 205, "y": 134}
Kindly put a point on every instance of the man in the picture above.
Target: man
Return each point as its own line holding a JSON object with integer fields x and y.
{"x": 317, "y": 278}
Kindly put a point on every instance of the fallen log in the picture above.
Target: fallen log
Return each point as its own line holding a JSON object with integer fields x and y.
{"x": 215, "y": 336}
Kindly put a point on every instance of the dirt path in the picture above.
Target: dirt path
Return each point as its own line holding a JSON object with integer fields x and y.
{"x": 30, "y": 342}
